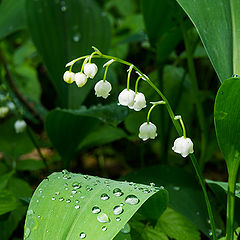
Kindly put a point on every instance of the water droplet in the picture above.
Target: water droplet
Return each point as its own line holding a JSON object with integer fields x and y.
{"x": 39, "y": 216}
{"x": 126, "y": 228}
{"x": 118, "y": 219}
{"x": 76, "y": 185}
{"x": 77, "y": 201}
{"x": 104, "y": 228}
{"x": 77, "y": 207}
{"x": 30, "y": 212}
{"x": 117, "y": 210}
{"x": 152, "y": 184}
{"x": 57, "y": 193}
{"x": 146, "y": 190}
{"x": 27, "y": 232}
{"x": 176, "y": 188}
{"x": 88, "y": 188}
{"x": 40, "y": 190}
{"x": 61, "y": 199}
{"x": 117, "y": 192}
{"x": 234, "y": 75}
{"x": 82, "y": 235}
{"x": 103, "y": 218}
{"x": 132, "y": 200}
{"x": 68, "y": 201}
{"x": 76, "y": 37}
{"x": 74, "y": 191}
{"x": 66, "y": 174}
{"x": 104, "y": 196}
{"x": 96, "y": 209}
{"x": 63, "y": 8}
{"x": 37, "y": 201}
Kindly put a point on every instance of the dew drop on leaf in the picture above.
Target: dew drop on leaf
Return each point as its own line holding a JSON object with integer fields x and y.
{"x": 104, "y": 228}
{"x": 77, "y": 207}
{"x": 82, "y": 235}
{"x": 103, "y": 218}
{"x": 118, "y": 219}
{"x": 96, "y": 209}
{"x": 117, "y": 210}
{"x": 104, "y": 196}
{"x": 68, "y": 201}
{"x": 126, "y": 228}
{"x": 132, "y": 200}
{"x": 27, "y": 232}
{"x": 30, "y": 212}
{"x": 76, "y": 185}
{"x": 74, "y": 191}
{"x": 61, "y": 199}
{"x": 53, "y": 198}
{"x": 117, "y": 192}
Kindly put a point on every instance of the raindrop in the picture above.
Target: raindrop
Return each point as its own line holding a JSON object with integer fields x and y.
{"x": 66, "y": 188}
{"x": 104, "y": 228}
{"x": 176, "y": 188}
{"x": 57, "y": 193}
{"x": 37, "y": 201}
{"x": 68, "y": 201}
{"x": 29, "y": 212}
{"x": 65, "y": 184}
{"x": 103, "y": 218}
{"x": 61, "y": 199}
{"x": 76, "y": 185}
{"x": 121, "y": 204}
{"x": 152, "y": 184}
{"x": 132, "y": 200}
{"x": 77, "y": 206}
{"x": 126, "y": 228}
{"x": 74, "y": 191}
{"x": 27, "y": 232}
{"x": 82, "y": 197}
{"x": 146, "y": 190}
{"x": 88, "y": 188}
{"x": 118, "y": 219}
{"x": 234, "y": 75}
{"x": 117, "y": 210}
{"x": 96, "y": 209}
{"x": 40, "y": 190}
{"x": 77, "y": 201}
{"x": 76, "y": 37}
{"x": 104, "y": 196}
{"x": 82, "y": 235}
{"x": 39, "y": 216}
{"x": 117, "y": 192}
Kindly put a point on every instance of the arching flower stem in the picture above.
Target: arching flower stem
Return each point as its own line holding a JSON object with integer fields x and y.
{"x": 136, "y": 84}
{"x": 178, "y": 117}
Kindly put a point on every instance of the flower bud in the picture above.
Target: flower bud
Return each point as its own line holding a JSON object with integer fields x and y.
{"x": 3, "y": 111}
{"x": 126, "y": 98}
{"x": 20, "y": 126}
{"x": 102, "y": 89}
{"x": 68, "y": 77}
{"x": 147, "y": 130}
{"x": 139, "y": 102}
{"x": 183, "y": 146}
{"x": 80, "y": 79}
{"x": 90, "y": 69}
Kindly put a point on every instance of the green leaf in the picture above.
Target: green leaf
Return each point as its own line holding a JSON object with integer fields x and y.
{"x": 12, "y": 17}
{"x": 7, "y": 202}
{"x": 185, "y": 195}
{"x": 224, "y": 186}
{"x": 65, "y": 204}
{"x": 65, "y": 30}
{"x": 102, "y": 135}
{"x": 218, "y": 24}
{"x": 227, "y": 122}
{"x": 29, "y": 165}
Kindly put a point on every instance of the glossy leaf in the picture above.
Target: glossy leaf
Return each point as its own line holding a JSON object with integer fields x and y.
{"x": 12, "y": 17}
{"x": 217, "y": 23}
{"x": 7, "y": 202}
{"x": 62, "y": 31}
{"x": 75, "y": 206}
{"x": 227, "y": 121}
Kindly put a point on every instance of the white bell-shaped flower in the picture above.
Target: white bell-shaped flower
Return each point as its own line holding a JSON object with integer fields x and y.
{"x": 139, "y": 102}
{"x": 80, "y": 79}
{"x": 183, "y": 146}
{"x": 147, "y": 130}
{"x": 69, "y": 77}
{"x": 126, "y": 98}
{"x": 90, "y": 69}
{"x": 20, "y": 126}
{"x": 102, "y": 89}
{"x": 3, "y": 111}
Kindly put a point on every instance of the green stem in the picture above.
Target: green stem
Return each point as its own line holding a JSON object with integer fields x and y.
{"x": 179, "y": 130}
{"x": 105, "y": 73}
{"x": 129, "y": 74}
{"x": 231, "y": 200}
{"x": 149, "y": 112}
{"x": 136, "y": 85}
{"x": 37, "y": 147}
{"x": 196, "y": 92}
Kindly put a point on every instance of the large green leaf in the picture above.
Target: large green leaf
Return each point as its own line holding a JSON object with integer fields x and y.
{"x": 227, "y": 121}
{"x": 12, "y": 16}
{"x": 218, "y": 24}
{"x": 7, "y": 202}
{"x": 74, "y": 206}
{"x": 62, "y": 31}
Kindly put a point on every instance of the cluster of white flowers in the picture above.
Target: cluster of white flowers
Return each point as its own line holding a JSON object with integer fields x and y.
{"x": 134, "y": 100}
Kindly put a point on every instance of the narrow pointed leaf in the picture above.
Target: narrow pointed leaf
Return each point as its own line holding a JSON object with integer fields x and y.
{"x": 74, "y": 206}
